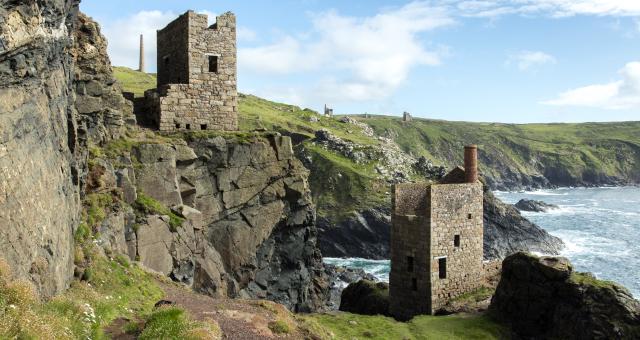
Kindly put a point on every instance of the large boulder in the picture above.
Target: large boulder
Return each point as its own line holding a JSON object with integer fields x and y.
{"x": 534, "y": 206}
{"x": 506, "y": 231}
{"x": 366, "y": 297}
{"x": 543, "y": 298}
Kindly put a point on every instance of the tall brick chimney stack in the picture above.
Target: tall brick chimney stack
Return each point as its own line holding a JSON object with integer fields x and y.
{"x": 471, "y": 163}
{"x": 141, "y": 68}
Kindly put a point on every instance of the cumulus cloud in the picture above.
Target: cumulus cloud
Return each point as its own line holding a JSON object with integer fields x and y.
{"x": 528, "y": 60}
{"x": 619, "y": 94}
{"x": 365, "y": 57}
{"x": 124, "y": 36}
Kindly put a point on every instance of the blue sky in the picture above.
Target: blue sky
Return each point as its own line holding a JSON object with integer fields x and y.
{"x": 512, "y": 61}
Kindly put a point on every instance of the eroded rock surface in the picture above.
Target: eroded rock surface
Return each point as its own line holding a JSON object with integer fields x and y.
{"x": 39, "y": 167}
{"x": 249, "y": 223}
{"x": 542, "y": 298}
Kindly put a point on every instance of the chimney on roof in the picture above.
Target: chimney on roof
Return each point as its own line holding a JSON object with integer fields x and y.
{"x": 471, "y": 163}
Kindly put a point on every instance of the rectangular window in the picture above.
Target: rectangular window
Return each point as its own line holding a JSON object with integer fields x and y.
{"x": 410, "y": 264}
{"x": 414, "y": 284}
{"x": 456, "y": 240}
{"x": 469, "y": 216}
{"x": 442, "y": 268}
{"x": 203, "y": 126}
{"x": 213, "y": 64}
{"x": 177, "y": 125}
{"x": 188, "y": 126}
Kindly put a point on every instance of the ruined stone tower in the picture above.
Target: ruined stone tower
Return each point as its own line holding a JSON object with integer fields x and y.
{"x": 196, "y": 75}
{"x": 436, "y": 241}
{"x": 406, "y": 117}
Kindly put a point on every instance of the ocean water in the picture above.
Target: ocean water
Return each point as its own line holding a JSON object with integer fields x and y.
{"x": 599, "y": 226}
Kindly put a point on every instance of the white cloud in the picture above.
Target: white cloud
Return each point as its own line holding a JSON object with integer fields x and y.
{"x": 361, "y": 58}
{"x": 528, "y": 60}
{"x": 620, "y": 94}
{"x": 124, "y": 37}
{"x": 246, "y": 34}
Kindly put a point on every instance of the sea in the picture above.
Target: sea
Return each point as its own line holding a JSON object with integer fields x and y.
{"x": 599, "y": 226}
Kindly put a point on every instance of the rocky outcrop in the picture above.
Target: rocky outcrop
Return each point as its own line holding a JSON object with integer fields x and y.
{"x": 506, "y": 231}
{"x": 365, "y": 234}
{"x": 99, "y": 99}
{"x": 534, "y": 206}
{"x": 340, "y": 278}
{"x": 542, "y": 298}
{"x": 393, "y": 164}
{"x": 242, "y": 223}
{"x": 366, "y": 297}
{"x": 40, "y": 160}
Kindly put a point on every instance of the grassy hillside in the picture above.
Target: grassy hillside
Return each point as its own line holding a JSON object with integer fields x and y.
{"x": 511, "y": 155}
{"x": 583, "y": 150}
{"x": 134, "y": 81}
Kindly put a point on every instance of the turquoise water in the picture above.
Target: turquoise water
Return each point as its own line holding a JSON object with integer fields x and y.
{"x": 600, "y": 227}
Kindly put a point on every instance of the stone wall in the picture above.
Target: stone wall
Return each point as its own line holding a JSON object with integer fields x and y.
{"x": 425, "y": 222}
{"x": 409, "y": 285}
{"x": 456, "y": 209}
{"x": 206, "y": 99}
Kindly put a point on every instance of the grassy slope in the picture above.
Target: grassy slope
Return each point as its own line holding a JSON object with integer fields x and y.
{"x": 134, "y": 81}
{"x": 575, "y": 147}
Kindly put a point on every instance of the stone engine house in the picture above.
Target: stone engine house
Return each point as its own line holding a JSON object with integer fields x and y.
{"x": 197, "y": 75}
{"x": 436, "y": 241}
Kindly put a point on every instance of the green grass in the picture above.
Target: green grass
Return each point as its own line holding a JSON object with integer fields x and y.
{"x": 279, "y": 327}
{"x": 174, "y": 323}
{"x": 96, "y": 205}
{"x": 586, "y": 279}
{"x": 352, "y": 326}
{"x": 149, "y": 205}
{"x": 477, "y": 295}
{"x": 134, "y": 81}
{"x": 83, "y": 310}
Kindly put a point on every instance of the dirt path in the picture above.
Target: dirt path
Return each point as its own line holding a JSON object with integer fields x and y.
{"x": 238, "y": 319}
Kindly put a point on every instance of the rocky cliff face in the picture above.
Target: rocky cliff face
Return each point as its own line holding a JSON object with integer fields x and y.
{"x": 542, "y": 298}
{"x": 39, "y": 163}
{"x": 249, "y": 224}
{"x": 102, "y": 108}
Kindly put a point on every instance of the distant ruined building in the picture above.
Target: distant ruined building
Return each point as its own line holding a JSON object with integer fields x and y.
{"x": 436, "y": 241}
{"x": 328, "y": 111}
{"x": 406, "y": 117}
{"x": 197, "y": 75}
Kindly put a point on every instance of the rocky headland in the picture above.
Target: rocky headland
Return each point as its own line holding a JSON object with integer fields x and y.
{"x": 543, "y": 298}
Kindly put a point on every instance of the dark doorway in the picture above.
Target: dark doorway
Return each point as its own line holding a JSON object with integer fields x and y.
{"x": 442, "y": 268}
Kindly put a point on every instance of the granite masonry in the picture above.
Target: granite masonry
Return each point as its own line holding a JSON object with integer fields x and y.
{"x": 436, "y": 242}
{"x": 197, "y": 75}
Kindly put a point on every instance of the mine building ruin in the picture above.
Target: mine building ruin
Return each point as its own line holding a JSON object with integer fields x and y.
{"x": 328, "y": 111}
{"x": 436, "y": 241}
{"x": 197, "y": 75}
